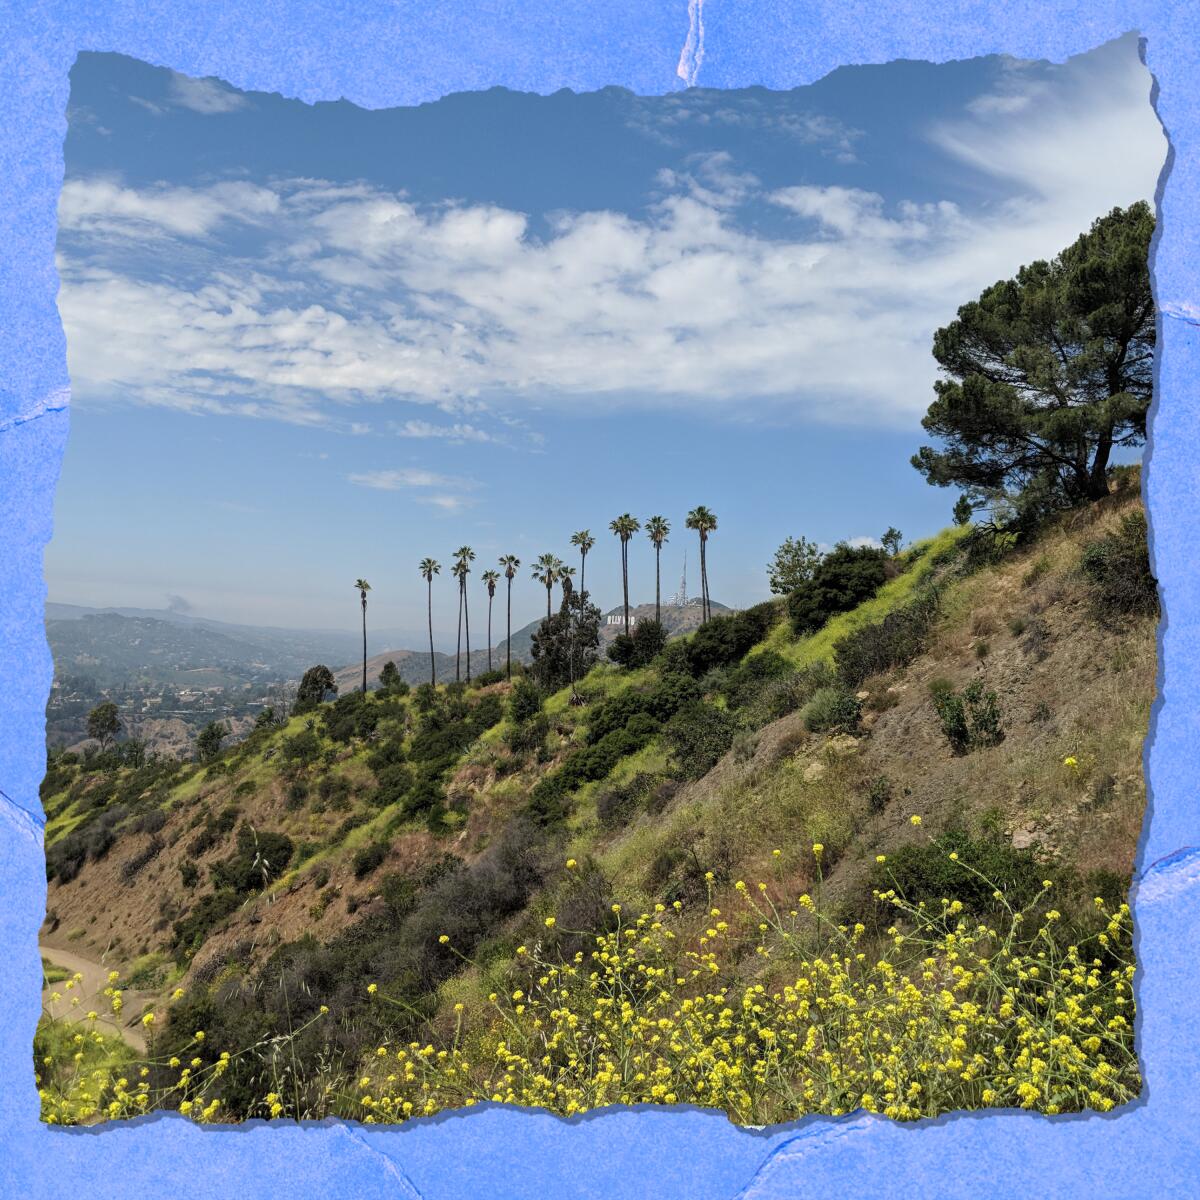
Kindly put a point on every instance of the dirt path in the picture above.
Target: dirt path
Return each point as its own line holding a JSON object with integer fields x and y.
{"x": 90, "y": 990}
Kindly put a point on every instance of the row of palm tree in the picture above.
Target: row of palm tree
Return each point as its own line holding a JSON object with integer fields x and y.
{"x": 549, "y": 569}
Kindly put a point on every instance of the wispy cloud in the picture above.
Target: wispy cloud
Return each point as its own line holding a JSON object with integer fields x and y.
{"x": 357, "y": 294}
{"x": 209, "y": 97}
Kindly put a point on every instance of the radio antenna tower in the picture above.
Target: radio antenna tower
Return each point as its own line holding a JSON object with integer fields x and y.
{"x": 681, "y": 596}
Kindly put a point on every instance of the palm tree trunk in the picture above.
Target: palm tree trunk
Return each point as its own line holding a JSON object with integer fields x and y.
{"x": 489, "y": 632}
{"x": 364, "y": 608}
{"x": 703, "y": 580}
{"x": 458, "y": 649}
{"x": 657, "y": 583}
{"x": 582, "y": 571}
{"x": 508, "y": 635}
{"x": 467, "y": 616}
{"x": 432, "y": 663}
{"x": 625, "y": 580}
{"x": 549, "y": 590}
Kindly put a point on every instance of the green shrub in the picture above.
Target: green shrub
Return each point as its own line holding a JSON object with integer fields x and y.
{"x": 259, "y": 858}
{"x": 1117, "y": 569}
{"x": 832, "y": 710}
{"x": 888, "y": 644}
{"x": 698, "y": 736}
{"x": 367, "y": 858}
{"x": 303, "y": 748}
{"x": 528, "y": 736}
{"x": 924, "y": 872}
{"x": 189, "y": 874}
{"x": 640, "y": 647}
{"x": 524, "y": 702}
{"x": 879, "y": 793}
{"x": 843, "y": 579}
{"x": 970, "y": 719}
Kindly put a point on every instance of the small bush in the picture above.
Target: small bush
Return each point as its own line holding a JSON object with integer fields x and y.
{"x": 1117, "y": 569}
{"x": 888, "y": 644}
{"x": 131, "y": 868}
{"x": 525, "y": 702}
{"x": 970, "y": 719}
{"x": 189, "y": 874}
{"x": 304, "y": 748}
{"x": 879, "y": 793}
{"x": 845, "y": 577}
{"x": 640, "y": 647}
{"x": 529, "y": 736}
{"x": 698, "y": 736}
{"x": 367, "y": 858}
{"x": 832, "y": 710}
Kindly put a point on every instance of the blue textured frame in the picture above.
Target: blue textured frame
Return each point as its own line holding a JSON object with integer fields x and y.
{"x": 380, "y": 53}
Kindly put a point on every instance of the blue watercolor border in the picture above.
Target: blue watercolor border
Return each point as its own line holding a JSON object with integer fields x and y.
{"x": 380, "y": 54}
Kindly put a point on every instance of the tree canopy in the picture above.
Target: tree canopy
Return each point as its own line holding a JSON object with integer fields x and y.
{"x": 318, "y": 682}
{"x": 793, "y": 564}
{"x": 1048, "y": 373}
{"x": 104, "y": 722}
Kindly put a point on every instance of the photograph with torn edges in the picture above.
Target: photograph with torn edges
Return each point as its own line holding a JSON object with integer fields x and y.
{"x": 599, "y": 599}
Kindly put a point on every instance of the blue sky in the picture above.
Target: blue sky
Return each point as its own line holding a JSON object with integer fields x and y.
{"x": 309, "y": 343}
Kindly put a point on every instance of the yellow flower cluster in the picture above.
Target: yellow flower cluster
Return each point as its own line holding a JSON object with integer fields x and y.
{"x": 954, "y": 1014}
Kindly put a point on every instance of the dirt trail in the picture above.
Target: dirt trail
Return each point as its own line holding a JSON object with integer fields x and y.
{"x": 90, "y": 991}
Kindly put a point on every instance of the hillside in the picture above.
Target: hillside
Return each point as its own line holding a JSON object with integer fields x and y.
{"x": 998, "y": 701}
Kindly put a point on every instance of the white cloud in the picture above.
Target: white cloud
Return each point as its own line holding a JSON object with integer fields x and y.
{"x": 103, "y": 207}
{"x": 361, "y": 295}
{"x": 406, "y": 477}
{"x": 208, "y": 96}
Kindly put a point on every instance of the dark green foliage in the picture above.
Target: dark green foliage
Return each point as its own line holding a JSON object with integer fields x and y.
{"x": 317, "y": 683}
{"x": 209, "y": 739}
{"x": 660, "y": 703}
{"x": 550, "y": 798}
{"x": 104, "y": 722}
{"x": 488, "y": 678}
{"x": 189, "y": 874}
{"x": 529, "y": 736}
{"x": 192, "y": 930}
{"x": 131, "y": 868}
{"x": 879, "y": 793}
{"x": 639, "y": 648}
{"x": 784, "y": 694}
{"x": 1047, "y": 373}
{"x": 390, "y": 681}
{"x": 259, "y": 858}
{"x": 888, "y": 644}
{"x": 524, "y": 702}
{"x": 1117, "y": 568}
{"x": 846, "y": 577}
{"x": 963, "y": 509}
{"x": 216, "y": 826}
{"x": 970, "y": 719}
{"x": 745, "y": 682}
{"x": 698, "y": 735}
{"x": 891, "y": 541}
{"x": 924, "y": 872}
{"x": 303, "y": 748}
{"x": 367, "y": 858}
{"x": 351, "y": 716}
{"x": 617, "y": 804}
{"x": 721, "y": 641}
{"x": 832, "y": 710}
{"x": 566, "y": 645}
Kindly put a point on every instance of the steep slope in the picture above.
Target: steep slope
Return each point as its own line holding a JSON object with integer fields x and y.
{"x": 343, "y": 846}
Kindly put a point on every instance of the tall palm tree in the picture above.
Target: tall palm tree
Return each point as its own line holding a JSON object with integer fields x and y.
{"x": 363, "y": 588}
{"x": 704, "y": 521}
{"x": 545, "y": 571}
{"x": 463, "y": 557}
{"x": 657, "y": 529}
{"x": 510, "y": 563}
{"x": 490, "y": 579}
{"x": 625, "y": 526}
{"x": 430, "y": 568}
{"x": 584, "y": 540}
